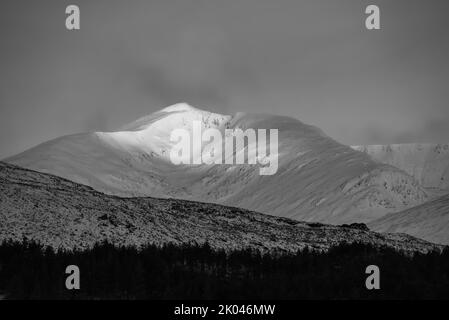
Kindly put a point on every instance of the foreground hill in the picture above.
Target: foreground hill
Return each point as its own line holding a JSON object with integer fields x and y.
{"x": 429, "y": 221}
{"x": 318, "y": 179}
{"x": 428, "y": 163}
{"x": 63, "y": 214}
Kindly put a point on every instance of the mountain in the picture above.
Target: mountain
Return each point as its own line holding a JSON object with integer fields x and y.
{"x": 429, "y": 221}
{"x": 318, "y": 179}
{"x": 428, "y": 163}
{"x": 65, "y": 215}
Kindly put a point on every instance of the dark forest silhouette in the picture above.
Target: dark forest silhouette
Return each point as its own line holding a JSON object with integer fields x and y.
{"x": 28, "y": 271}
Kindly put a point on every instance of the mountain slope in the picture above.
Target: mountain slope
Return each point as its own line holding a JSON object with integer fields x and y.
{"x": 429, "y": 221}
{"x": 318, "y": 179}
{"x": 63, "y": 214}
{"x": 428, "y": 163}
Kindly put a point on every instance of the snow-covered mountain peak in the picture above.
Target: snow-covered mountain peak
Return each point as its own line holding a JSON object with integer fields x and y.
{"x": 179, "y": 115}
{"x": 180, "y": 107}
{"x": 318, "y": 179}
{"x": 151, "y": 134}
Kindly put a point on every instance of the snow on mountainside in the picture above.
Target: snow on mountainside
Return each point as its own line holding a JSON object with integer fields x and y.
{"x": 318, "y": 179}
{"x": 429, "y": 221}
{"x": 428, "y": 163}
{"x": 66, "y": 215}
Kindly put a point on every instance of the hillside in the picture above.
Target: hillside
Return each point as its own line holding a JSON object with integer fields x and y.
{"x": 428, "y": 163}
{"x": 63, "y": 214}
{"x": 429, "y": 221}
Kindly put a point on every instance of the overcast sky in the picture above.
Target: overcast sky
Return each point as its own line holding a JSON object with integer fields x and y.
{"x": 309, "y": 59}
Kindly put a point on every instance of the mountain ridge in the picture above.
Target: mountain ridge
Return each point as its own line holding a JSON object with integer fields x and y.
{"x": 427, "y": 162}
{"x": 318, "y": 179}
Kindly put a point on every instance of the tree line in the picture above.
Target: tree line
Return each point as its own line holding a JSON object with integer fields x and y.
{"x": 30, "y": 271}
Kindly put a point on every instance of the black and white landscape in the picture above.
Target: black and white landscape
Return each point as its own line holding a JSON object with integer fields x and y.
{"x": 318, "y": 179}
{"x": 120, "y": 188}
{"x": 362, "y": 158}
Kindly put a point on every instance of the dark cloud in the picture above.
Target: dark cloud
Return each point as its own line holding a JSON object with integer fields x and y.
{"x": 97, "y": 120}
{"x": 158, "y": 85}
{"x": 312, "y": 60}
{"x": 428, "y": 131}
